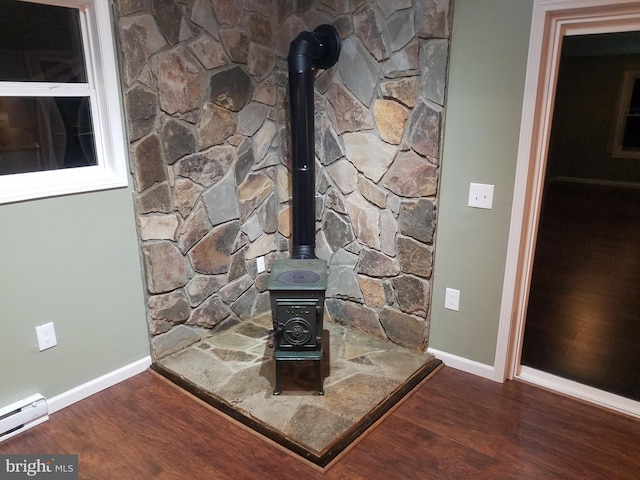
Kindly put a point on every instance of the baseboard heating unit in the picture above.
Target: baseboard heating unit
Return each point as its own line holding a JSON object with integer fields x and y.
{"x": 22, "y": 415}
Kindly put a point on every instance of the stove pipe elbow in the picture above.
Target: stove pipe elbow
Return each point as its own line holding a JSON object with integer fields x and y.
{"x": 317, "y": 49}
{"x": 307, "y": 52}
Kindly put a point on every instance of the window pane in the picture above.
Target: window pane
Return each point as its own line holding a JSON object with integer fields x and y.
{"x": 45, "y": 133}
{"x": 634, "y": 105}
{"x": 631, "y": 135}
{"x": 40, "y": 43}
{"x": 631, "y": 139}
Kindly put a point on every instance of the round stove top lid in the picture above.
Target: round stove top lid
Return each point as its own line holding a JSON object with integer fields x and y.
{"x": 298, "y": 277}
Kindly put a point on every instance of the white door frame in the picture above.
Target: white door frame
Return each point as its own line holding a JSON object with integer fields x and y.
{"x": 551, "y": 21}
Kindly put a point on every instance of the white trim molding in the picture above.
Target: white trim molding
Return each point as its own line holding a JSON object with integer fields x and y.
{"x": 464, "y": 364}
{"x": 96, "y": 385}
{"x": 580, "y": 391}
{"x": 551, "y": 21}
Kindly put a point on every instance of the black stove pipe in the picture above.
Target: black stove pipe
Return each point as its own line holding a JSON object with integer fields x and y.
{"x": 307, "y": 52}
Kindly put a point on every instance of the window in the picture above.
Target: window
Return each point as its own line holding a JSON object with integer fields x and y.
{"x": 61, "y": 126}
{"x": 627, "y": 133}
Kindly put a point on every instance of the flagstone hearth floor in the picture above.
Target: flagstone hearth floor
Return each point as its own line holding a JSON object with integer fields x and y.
{"x": 363, "y": 378}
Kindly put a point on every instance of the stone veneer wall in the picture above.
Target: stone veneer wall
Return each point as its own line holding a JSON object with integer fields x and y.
{"x": 205, "y": 85}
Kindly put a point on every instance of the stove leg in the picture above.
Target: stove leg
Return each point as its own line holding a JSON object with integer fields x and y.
{"x": 319, "y": 376}
{"x": 278, "y": 389}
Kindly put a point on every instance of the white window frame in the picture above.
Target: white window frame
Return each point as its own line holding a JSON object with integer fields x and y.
{"x": 629, "y": 78}
{"x": 102, "y": 88}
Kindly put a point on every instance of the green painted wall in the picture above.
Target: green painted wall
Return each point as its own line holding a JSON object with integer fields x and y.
{"x": 72, "y": 260}
{"x": 489, "y": 47}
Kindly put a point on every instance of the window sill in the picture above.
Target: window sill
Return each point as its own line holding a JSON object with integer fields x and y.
{"x": 26, "y": 186}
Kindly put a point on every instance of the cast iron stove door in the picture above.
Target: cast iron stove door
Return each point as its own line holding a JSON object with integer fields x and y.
{"x": 297, "y": 323}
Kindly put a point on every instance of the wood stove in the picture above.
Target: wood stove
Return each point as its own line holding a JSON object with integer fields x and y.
{"x": 297, "y": 290}
{"x": 297, "y": 286}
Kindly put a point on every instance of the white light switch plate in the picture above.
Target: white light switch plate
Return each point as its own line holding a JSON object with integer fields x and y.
{"x": 480, "y": 195}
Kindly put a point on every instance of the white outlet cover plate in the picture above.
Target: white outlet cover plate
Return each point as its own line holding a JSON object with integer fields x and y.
{"x": 480, "y": 195}
{"x": 260, "y": 266}
{"x": 452, "y": 299}
{"x": 46, "y": 336}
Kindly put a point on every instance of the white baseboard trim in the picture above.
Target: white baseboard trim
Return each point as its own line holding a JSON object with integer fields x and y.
{"x": 594, "y": 181}
{"x": 465, "y": 365}
{"x": 579, "y": 391}
{"x": 98, "y": 384}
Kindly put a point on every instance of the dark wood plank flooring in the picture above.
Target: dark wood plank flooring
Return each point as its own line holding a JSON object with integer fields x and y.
{"x": 583, "y": 318}
{"x": 455, "y": 426}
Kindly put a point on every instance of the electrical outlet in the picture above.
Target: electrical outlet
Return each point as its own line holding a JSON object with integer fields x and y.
{"x": 46, "y": 336}
{"x": 452, "y": 299}
{"x": 260, "y": 264}
{"x": 480, "y": 195}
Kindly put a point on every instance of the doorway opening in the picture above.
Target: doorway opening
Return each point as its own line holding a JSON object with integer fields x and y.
{"x": 553, "y": 27}
{"x": 582, "y": 316}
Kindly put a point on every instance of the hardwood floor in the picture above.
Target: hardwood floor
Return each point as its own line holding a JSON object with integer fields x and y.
{"x": 583, "y": 319}
{"x": 455, "y": 426}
